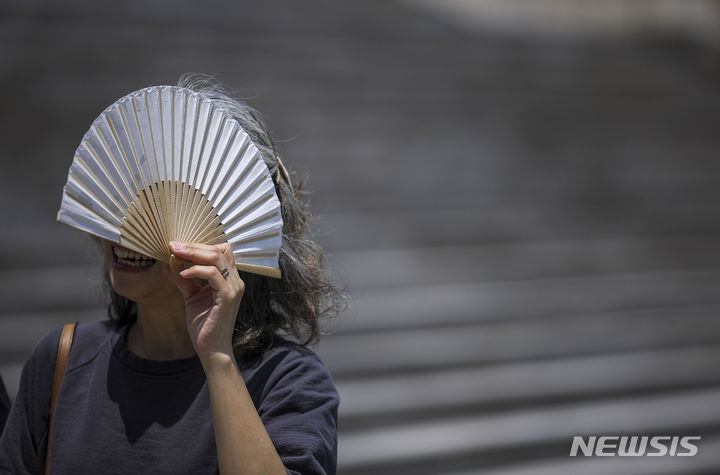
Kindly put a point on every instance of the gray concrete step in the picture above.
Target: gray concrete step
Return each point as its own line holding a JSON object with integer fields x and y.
{"x": 415, "y": 446}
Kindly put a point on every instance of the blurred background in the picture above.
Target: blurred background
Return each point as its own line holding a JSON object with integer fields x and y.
{"x": 522, "y": 197}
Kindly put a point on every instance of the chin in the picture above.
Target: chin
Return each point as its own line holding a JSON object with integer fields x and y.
{"x": 132, "y": 275}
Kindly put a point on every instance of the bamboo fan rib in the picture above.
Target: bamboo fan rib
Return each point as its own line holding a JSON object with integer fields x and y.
{"x": 167, "y": 164}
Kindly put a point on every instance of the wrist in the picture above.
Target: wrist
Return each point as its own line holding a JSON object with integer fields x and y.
{"x": 218, "y": 362}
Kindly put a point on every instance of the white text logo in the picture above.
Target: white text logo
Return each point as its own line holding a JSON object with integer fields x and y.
{"x": 634, "y": 446}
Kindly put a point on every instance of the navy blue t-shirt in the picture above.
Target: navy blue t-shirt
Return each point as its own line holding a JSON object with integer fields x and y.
{"x": 120, "y": 413}
{"x": 4, "y": 404}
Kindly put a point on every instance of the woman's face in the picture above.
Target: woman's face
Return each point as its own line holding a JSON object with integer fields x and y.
{"x": 137, "y": 277}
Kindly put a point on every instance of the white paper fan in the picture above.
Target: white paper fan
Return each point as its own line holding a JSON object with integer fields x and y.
{"x": 168, "y": 164}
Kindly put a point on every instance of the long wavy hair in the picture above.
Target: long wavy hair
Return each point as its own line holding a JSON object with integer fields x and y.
{"x": 293, "y": 305}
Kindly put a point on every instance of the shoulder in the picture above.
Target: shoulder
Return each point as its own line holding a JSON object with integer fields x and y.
{"x": 88, "y": 339}
{"x": 25, "y": 434}
{"x": 287, "y": 367}
{"x": 45, "y": 350}
{"x": 297, "y": 401}
{"x": 293, "y": 354}
{"x": 284, "y": 357}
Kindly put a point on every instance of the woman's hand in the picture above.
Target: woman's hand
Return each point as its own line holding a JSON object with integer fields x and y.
{"x": 243, "y": 444}
{"x": 211, "y": 309}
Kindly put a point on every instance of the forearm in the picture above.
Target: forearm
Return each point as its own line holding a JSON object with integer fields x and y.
{"x": 243, "y": 444}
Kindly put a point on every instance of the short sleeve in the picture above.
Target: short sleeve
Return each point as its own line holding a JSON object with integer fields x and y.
{"x": 24, "y": 438}
{"x": 299, "y": 407}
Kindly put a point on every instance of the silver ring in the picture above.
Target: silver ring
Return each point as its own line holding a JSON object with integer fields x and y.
{"x": 225, "y": 272}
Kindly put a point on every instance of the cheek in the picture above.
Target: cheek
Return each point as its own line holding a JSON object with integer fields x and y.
{"x": 120, "y": 283}
{"x": 153, "y": 283}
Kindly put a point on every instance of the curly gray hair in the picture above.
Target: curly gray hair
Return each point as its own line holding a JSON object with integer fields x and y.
{"x": 296, "y": 303}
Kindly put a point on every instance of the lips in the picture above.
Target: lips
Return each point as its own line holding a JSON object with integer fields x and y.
{"x": 130, "y": 261}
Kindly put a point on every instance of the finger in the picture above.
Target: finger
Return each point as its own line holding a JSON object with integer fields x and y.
{"x": 177, "y": 265}
{"x": 219, "y": 255}
{"x": 209, "y": 273}
{"x": 187, "y": 287}
{"x": 203, "y": 254}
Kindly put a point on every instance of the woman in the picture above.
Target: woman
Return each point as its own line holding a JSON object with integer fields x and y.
{"x": 189, "y": 374}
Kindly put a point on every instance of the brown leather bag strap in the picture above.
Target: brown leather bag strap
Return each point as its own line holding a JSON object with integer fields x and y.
{"x": 66, "y": 339}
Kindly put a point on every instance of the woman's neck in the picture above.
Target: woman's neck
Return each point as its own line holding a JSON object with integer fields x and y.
{"x": 160, "y": 332}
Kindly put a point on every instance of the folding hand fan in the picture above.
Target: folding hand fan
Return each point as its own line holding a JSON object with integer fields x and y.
{"x": 168, "y": 164}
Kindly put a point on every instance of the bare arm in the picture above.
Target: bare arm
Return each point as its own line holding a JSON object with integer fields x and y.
{"x": 243, "y": 444}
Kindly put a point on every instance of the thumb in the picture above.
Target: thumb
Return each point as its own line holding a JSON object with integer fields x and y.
{"x": 187, "y": 287}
